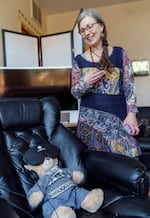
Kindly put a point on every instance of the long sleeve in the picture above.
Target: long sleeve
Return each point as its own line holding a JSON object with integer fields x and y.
{"x": 129, "y": 86}
{"x": 78, "y": 87}
{"x": 37, "y": 191}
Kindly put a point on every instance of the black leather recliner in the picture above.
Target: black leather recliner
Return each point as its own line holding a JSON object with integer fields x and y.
{"x": 26, "y": 122}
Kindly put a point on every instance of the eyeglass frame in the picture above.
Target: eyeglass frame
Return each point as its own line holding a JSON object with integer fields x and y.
{"x": 89, "y": 28}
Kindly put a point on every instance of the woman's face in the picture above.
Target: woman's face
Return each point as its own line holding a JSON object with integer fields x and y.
{"x": 90, "y": 31}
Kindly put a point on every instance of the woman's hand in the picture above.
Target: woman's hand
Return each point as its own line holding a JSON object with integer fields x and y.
{"x": 132, "y": 122}
{"x": 94, "y": 76}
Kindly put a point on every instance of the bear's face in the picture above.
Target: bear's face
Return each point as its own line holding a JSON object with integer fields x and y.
{"x": 43, "y": 168}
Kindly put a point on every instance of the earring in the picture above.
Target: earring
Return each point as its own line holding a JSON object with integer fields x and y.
{"x": 102, "y": 35}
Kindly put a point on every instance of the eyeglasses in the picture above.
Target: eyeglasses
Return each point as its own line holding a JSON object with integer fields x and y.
{"x": 89, "y": 28}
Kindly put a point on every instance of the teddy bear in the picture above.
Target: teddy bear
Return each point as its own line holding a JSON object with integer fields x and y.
{"x": 57, "y": 189}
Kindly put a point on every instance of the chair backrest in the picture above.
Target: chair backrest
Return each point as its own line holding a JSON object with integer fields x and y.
{"x": 26, "y": 122}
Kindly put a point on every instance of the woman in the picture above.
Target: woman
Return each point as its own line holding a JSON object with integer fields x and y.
{"x": 102, "y": 79}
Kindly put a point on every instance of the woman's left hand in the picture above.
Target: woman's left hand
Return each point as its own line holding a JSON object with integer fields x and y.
{"x": 132, "y": 122}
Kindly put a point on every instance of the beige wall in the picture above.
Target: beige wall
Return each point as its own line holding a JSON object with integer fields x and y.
{"x": 127, "y": 24}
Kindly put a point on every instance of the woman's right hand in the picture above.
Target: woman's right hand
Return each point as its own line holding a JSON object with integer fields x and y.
{"x": 94, "y": 76}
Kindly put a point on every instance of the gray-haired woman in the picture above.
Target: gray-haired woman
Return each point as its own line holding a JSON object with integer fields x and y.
{"x": 102, "y": 78}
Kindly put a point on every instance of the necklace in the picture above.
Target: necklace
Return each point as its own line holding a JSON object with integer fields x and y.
{"x": 93, "y": 62}
{"x": 95, "y": 53}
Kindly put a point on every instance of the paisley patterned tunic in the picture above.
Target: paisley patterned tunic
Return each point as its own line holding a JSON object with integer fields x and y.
{"x": 105, "y": 105}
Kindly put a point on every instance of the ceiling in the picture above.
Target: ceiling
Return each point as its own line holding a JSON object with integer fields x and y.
{"x": 62, "y": 6}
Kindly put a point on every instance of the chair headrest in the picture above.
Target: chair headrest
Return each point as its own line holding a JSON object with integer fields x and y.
{"x": 22, "y": 112}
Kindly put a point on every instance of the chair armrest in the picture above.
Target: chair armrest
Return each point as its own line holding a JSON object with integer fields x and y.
{"x": 142, "y": 130}
{"x": 117, "y": 171}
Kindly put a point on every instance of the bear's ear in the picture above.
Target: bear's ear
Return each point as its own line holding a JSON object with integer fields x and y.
{"x": 29, "y": 167}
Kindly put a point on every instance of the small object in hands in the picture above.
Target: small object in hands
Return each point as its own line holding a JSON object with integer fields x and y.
{"x": 128, "y": 129}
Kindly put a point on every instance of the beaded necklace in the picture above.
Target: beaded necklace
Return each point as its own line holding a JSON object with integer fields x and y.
{"x": 92, "y": 58}
{"x": 96, "y": 65}
{"x": 96, "y": 54}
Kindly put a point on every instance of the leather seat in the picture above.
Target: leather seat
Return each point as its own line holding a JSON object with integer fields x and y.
{"x": 26, "y": 122}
